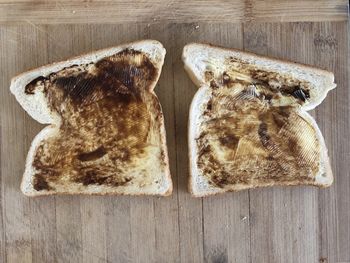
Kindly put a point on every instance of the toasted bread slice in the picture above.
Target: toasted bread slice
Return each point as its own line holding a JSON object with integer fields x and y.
{"x": 106, "y": 130}
{"x": 248, "y": 125}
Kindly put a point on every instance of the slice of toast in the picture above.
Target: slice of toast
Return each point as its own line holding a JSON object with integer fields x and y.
{"x": 106, "y": 130}
{"x": 248, "y": 125}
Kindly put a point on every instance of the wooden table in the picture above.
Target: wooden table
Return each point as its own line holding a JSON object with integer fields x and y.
{"x": 279, "y": 224}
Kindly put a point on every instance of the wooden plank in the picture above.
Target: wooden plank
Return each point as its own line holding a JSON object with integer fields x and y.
{"x": 190, "y": 209}
{"x": 225, "y": 218}
{"x": 43, "y": 230}
{"x": 118, "y": 232}
{"x": 164, "y": 214}
{"x": 2, "y": 194}
{"x": 260, "y": 200}
{"x": 117, "y": 211}
{"x": 167, "y": 246}
{"x": 297, "y": 206}
{"x": 121, "y": 11}
{"x": 297, "y": 11}
{"x": 284, "y": 220}
{"x": 93, "y": 217}
{"x": 16, "y": 208}
{"x": 330, "y": 51}
{"x": 142, "y": 241}
{"x": 42, "y": 214}
{"x": 2, "y": 202}
{"x": 92, "y": 210}
{"x": 60, "y": 45}
{"x": 68, "y": 227}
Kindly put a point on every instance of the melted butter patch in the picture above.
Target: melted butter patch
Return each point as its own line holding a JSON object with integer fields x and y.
{"x": 106, "y": 122}
{"x": 252, "y": 132}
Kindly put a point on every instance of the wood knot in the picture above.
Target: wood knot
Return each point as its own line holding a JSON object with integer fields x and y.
{"x": 327, "y": 42}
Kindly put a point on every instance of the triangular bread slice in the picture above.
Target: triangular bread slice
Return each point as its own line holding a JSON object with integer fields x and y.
{"x": 106, "y": 130}
{"x": 248, "y": 125}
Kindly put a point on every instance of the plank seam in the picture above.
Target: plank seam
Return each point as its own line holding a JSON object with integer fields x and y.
{"x": 249, "y": 208}
{"x": 4, "y": 241}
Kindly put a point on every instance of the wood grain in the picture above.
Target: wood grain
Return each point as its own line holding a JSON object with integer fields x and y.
{"x": 190, "y": 209}
{"x": 121, "y": 11}
{"x": 272, "y": 208}
{"x": 290, "y": 224}
{"x": 334, "y": 223}
{"x": 167, "y": 243}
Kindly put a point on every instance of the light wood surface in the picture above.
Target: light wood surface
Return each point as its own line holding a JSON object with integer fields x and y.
{"x": 280, "y": 224}
{"x": 181, "y": 11}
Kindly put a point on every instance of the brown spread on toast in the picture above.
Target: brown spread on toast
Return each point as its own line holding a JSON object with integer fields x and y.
{"x": 105, "y": 121}
{"x": 251, "y": 131}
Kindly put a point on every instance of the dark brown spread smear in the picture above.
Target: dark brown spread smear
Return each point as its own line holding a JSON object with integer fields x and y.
{"x": 90, "y": 156}
{"x": 40, "y": 183}
{"x": 105, "y": 117}
{"x": 271, "y": 85}
{"x": 30, "y": 87}
{"x": 251, "y": 131}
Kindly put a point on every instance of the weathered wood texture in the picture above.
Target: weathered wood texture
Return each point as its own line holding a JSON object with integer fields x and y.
{"x": 281, "y": 224}
{"x": 154, "y": 11}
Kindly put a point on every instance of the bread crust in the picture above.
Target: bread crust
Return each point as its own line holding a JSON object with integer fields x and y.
{"x": 258, "y": 56}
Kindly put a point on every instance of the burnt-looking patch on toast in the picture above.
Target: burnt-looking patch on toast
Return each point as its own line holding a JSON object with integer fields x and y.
{"x": 105, "y": 121}
{"x": 90, "y": 156}
{"x": 251, "y": 132}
